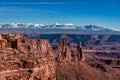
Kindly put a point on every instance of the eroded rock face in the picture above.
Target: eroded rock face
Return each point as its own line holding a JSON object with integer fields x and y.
{"x": 65, "y": 51}
{"x": 32, "y": 59}
{"x": 3, "y": 42}
{"x": 26, "y": 59}
{"x": 33, "y": 45}
{"x": 23, "y": 44}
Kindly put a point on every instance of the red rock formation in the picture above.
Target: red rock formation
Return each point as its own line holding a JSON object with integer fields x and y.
{"x": 33, "y": 45}
{"x": 79, "y": 52}
{"x": 26, "y": 59}
{"x": 3, "y": 42}
{"x": 24, "y": 44}
{"x": 64, "y": 50}
{"x": 32, "y": 59}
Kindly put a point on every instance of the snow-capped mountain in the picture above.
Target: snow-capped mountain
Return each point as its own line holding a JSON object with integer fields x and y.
{"x": 95, "y": 28}
{"x": 55, "y": 29}
{"x": 30, "y": 25}
{"x": 21, "y": 25}
{"x": 61, "y": 26}
{"x": 54, "y": 26}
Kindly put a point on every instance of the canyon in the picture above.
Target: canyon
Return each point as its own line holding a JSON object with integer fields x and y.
{"x": 60, "y": 57}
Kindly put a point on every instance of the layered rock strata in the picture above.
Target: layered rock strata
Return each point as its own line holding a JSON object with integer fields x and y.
{"x": 25, "y": 59}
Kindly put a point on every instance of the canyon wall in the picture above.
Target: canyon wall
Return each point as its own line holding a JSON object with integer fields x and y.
{"x": 25, "y": 59}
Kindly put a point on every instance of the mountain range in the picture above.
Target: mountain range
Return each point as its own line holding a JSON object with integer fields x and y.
{"x": 56, "y": 28}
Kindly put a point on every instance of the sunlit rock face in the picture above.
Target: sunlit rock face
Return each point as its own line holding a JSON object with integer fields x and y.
{"x": 25, "y": 59}
{"x": 64, "y": 49}
{"x": 33, "y": 59}
{"x": 66, "y": 52}
{"x": 33, "y": 45}
{"x": 23, "y": 44}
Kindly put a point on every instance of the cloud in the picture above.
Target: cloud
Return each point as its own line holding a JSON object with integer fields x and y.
{"x": 21, "y": 10}
{"x": 7, "y": 8}
{"x": 42, "y": 3}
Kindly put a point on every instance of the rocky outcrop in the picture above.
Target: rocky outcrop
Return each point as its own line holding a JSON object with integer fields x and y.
{"x": 33, "y": 45}
{"x": 79, "y": 52}
{"x": 32, "y": 59}
{"x": 23, "y": 44}
{"x": 66, "y": 51}
{"x": 26, "y": 59}
{"x": 3, "y": 42}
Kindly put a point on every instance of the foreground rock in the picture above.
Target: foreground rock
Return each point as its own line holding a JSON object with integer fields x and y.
{"x": 33, "y": 59}
{"x": 26, "y": 59}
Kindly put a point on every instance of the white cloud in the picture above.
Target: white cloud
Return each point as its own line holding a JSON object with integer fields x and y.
{"x": 42, "y": 3}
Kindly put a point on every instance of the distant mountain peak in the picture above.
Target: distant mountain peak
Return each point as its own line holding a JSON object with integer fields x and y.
{"x": 54, "y": 26}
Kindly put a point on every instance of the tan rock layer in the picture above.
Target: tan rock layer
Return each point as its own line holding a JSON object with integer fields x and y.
{"x": 25, "y": 59}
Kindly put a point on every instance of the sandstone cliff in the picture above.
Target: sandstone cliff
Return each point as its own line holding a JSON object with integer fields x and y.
{"x": 33, "y": 59}
{"x": 25, "y": 59}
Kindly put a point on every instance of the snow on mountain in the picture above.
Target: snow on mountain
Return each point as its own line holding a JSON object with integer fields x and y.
{"x": 54, "y": 26}
{"x": 62, "y": 26}
{"x": 21, "y": 25}
{"x": 94, "y": 28}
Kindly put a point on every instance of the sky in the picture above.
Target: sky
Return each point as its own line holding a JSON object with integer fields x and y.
{"x": 103, "y": 13}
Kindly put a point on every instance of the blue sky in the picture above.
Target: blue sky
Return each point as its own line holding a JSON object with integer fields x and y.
{"x": 104, "y": 13}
